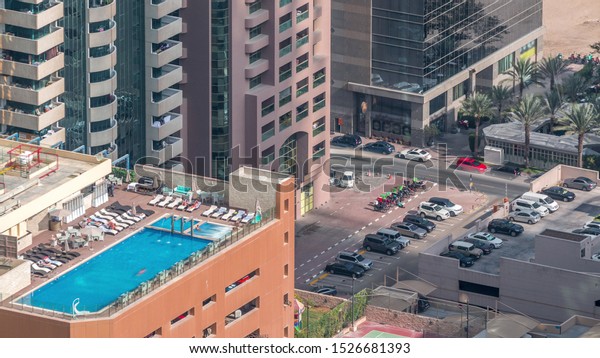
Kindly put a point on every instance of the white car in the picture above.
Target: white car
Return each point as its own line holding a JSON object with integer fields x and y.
{"x": 593, "y": 225}
{"x": 427, "y": 209}
{"x": 414, "y": 154}
{"x": 596, "y": 257}
{"x": 525, "y": 216}
{"x": 347, "y": 180}
{"x": 487, "y": 237}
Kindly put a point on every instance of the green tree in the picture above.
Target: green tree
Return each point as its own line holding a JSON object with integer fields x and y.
{"x": 551, "y": 68}
{"x": 581, "y": 119}
{"x": 523, "y": 74}
{"x": 572, "y": 86}
{"x": 479, "y": 105}
{"x": 527, "y": 111}
{"x": 500, "y": 96}
{"x": 553, "y": 102}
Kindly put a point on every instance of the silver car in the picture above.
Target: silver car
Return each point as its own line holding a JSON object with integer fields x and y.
{"x": 355, "y": 258}
{"x": 525, "y": 216}
{"x": 410, "y": 230}
{"x": 581, "y": 183}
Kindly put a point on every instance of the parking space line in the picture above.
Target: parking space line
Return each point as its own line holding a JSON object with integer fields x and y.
{"x": 382, "y": 216}
{"x": 309, "y": 261}
{"x": 315, "y": 256}
{"x": 362, "y": 228}
{"x": 376, "y": 220}
{"x": 329, "y": 248}
{"x": 336, "y": 244}
{"x": 322, "y": 276}
{"x": 301, "y": 265}
{"x": 356, "y": 232}
{"x": 349, "y": 236}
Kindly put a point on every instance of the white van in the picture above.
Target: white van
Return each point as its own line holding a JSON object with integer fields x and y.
{"x": 347, "y": 180}
{"x": 542, "y": 199}
{"x": 522, "y": 204}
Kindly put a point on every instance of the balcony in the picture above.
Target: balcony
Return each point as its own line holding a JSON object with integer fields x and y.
{"x": 285, "y": 25}
{"x": 160, "y": 8}
{"x": 319, "y": 79}
{"x": 302, "y": 113}
{"x": 302, "y": 41}
{"x": 285, "y": 75}
{"x": 105, "y": 87}
{"x": 165, "y": 77}
{"x": 256, "y": 18}
{"x": 256, "y": 43}
{"x": 268, "y": 134}
{"x": 103, "y": 37}
{"x": 170, "y": 123}
{"x": 104, "y": 137}
{"x": 166, "y": 101}
{"x": 285, "y": 50}
{"x": 172, "y": 147}
{"x": 17, "y": 93}
{"x": 102, "y": 10}
{"x": 301, "y": 16}
{"x": 268, "y": 109}
{"x": 318, "y": 130}
{"x": 302, "y": 90}
{"x": 35, "y": 47}
{"x": 104, "y": 62}
{"x": 256, "y": 68}
{"x": 169, "y": 26}
{"x": 33, "y": 121}
{"x": 30, "y": 20}
{"x": 283, "y": 3}
{"x": 318, "y": 104}
{"x": 318, "y": 153}
{"x": 302, "y": 65}
{"x": 104, "y": 112}
{"x": 169, "y": 51}
{"x": 34, "y": 70}
{"x": 54, "y": 136}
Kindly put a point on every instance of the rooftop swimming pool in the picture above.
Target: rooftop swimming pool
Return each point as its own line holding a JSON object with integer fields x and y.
{"x": 206, "y": 229}
{"x": 100, "y": 281}
{"x": 165, "y": 223}
{"x": 212, "y": 231}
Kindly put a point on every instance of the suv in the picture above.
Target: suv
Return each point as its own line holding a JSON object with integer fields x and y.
{"x": 347, "y": 140}
{"x": 466, "y": 248}
{"x": 525, "y": 205}
{"x": 486, "y": 247}
{"x": 409, "y": 229}
{"x": 504, "y": 226}
{"x": 465, "y": 261}
{"x": 419, "y": 221}
{"x": 454, "y": 209}
{"x": 345, "y": 268}
{"x": 355, "y": 258}
{"x": 433, "y": 211}
{"x": 381, "y": 244}
{"x": 394, "y": 235}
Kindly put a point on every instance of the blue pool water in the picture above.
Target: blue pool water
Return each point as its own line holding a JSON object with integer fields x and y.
{"x": 165, "y": 223}
{"x": 101, "y": 280}
{"x": 212, "y": 231}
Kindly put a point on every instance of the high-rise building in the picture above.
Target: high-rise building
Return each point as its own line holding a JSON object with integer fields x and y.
{"x": 400, "y": 65}
{"x": 107, "y": 70}
{"x": 256, "y": 79}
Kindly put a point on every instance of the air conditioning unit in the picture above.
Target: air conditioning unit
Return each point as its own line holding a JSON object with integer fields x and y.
{"x": 237, "y": 313}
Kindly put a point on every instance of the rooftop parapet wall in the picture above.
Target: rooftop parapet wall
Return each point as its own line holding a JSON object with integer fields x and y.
{"x": 558, "y": 174}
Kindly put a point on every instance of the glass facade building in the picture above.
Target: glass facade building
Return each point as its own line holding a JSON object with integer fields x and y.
{"x": 419, "y": 44}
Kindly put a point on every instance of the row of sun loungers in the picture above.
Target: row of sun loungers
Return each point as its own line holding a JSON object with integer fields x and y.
{"x": 228, "y": 214}
{"x": 112, "y": 222}
{"x": 172, "y": 202}
{"x": 45, "y": 259}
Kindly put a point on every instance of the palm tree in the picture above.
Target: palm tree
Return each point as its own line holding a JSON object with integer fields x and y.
{"x": 500, "y": 96}
{"x": 524, "y": 73}
{"x": 551, "y": 68}
{"x": 527, "y": 111}
{"x": 581, "y": 119}
{"x": 479, "y": 105}
{"x": 554, "y": 102}
{"x": 572, "y": 86}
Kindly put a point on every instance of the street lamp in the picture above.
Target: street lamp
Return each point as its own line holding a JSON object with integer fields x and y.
{"x": 352, "y": 304}
{"x": 464, "y": 298}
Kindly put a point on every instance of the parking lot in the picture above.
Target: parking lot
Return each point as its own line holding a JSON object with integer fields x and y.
{"x": 342, "y": 226}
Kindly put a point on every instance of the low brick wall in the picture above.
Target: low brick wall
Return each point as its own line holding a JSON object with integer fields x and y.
{"x": 318, "y": 300}
{"x": 430, "y": 327}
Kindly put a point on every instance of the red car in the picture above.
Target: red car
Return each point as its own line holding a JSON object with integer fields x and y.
{"x": 470, "y": 164}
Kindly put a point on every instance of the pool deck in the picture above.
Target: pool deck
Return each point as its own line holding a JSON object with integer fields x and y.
{"x": 124, "y": 198}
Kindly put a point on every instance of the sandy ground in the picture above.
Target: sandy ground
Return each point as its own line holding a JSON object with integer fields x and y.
{"x": 571, "y": 26}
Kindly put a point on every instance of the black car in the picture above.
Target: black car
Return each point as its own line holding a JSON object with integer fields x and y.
{"x": 347, "y": 140}
{"x": 326, "y": 290}
{"x": 465, "y": 261}
{"x": 587, "y": 231}
{"x": 511, "y": 169}
{"x": 345, "y": 268}
{"x": 380, "y": 147}
{"x": 484, "y": 246}
{"x": 504, "y": 226}
{"x": 558, "y": 193}
{"x": 420, "y": 222}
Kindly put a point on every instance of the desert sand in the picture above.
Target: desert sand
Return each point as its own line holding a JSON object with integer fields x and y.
{"x": 571, "y": 26}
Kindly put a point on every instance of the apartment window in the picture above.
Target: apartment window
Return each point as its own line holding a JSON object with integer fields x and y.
{"x": 154, "y": 334}
{"x": 318, "y": 150}
{"x": 285, "y": 96}
{"x": 302, "y": 38}
{"x": 283, "y": 3}
{"x": 255, "y": 81}
{"x": 254, "y": 7}
{"x": 301, "y": 87}
{"x": 302, "y": 62}
{"x": 242, "y": 280}
{"x": 285, "y": 22}
{"x": 285, "y": 271}
{"x": 319, "y": 102}
{"x": 255, "y": 31}
{"x": 319, "y": 78}
{"x": 268, "y": 155}
{"x": 268, "y": 131}
{"x": 209, "y": 300}
{"x": 437, "y": 103}
{"x": 302, "y": 13}
{"x": 285, "y": 72}
{"x": 242, "y": 311}
{"x": 460, "y": 90}
{"x": 301, "y": 111}
{"x": 286, "y": 238}
{"x": 286, "y": 205}
{"x": 285, "y": 47}
{"x": 285, "y": 121}
{"x": 286, "y": 331}
{"x": 182, "y": 316}
{"x": 268, "y": 106}
{"x": 318, "y": 126}
{"x": 286, "y": 299}
{"x": 210, "y": 331}
{"x": 255, "y": 56}
{"x": 506, "y": 63}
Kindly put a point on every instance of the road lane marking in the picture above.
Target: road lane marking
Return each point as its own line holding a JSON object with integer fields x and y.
{"x": 329, "y": 248}
{"x": 322, "y": 252}
{"x": 376, "y": 220}
{"x": 362, "y": 228}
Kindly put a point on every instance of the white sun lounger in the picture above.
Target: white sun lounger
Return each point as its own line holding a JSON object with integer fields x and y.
{"x": 238, "y": 216}
{"x": 193, "y": 207}
{"x": 167, "y": 200}
{"x": 100, "y": 220}
{"x": 248, "y": 218}
{"x": 105, "y": 217}
{"x": 210, "y": 210}
{"x": 119, "y": 226}
{"x": 131, "y": 217}
{"x": 228, "y": 215}
{"x": 182, "y": 206}
{"x": 156, "y": 199}
{"x": 175, "y": 203}
{"x": 125, "y": 220}
{"x": 108, "y": 213}
{"x": 217, "y": 214}
{"x": 39, "y": 268}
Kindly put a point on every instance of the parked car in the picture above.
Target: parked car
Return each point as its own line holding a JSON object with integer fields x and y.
{"x": 410, "y": 230}
{"x": 522, "y": 204}
{"x": 525, "y": 216}
{"x": 347, "y": 140}
{"x": 419, "y": 221}
{"x": 470, "y": 164}
{"x": 504, "y": 226}
{"x": 453, "y": 209}
{"x": 587, "y": 231}
{"x": 347, "y": 180}
{"x": 558, "y": 193}
{"x": 593, "y": 225}
{"x": 511, "y": 169}
{"x": 345, "y": 268}
{"x": 414, "y": 154}
{"x": 381, "y": 244}
{"x": 486, "y": 247}
{"x": 489, "y": 238}
{"x": 465, "y": 261}
{"x": 326, "y": 290}
{"x": 431, "y": 210}
{"x": 596, "y": 257}
{"x": 542, "y": 199}
{"x": 355, "y": 258}
{"x": 466, "y": 248}
{"x": 394, "y": 235}
{"x": 581, "y": 183}
{"x": 380, "y": 147}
